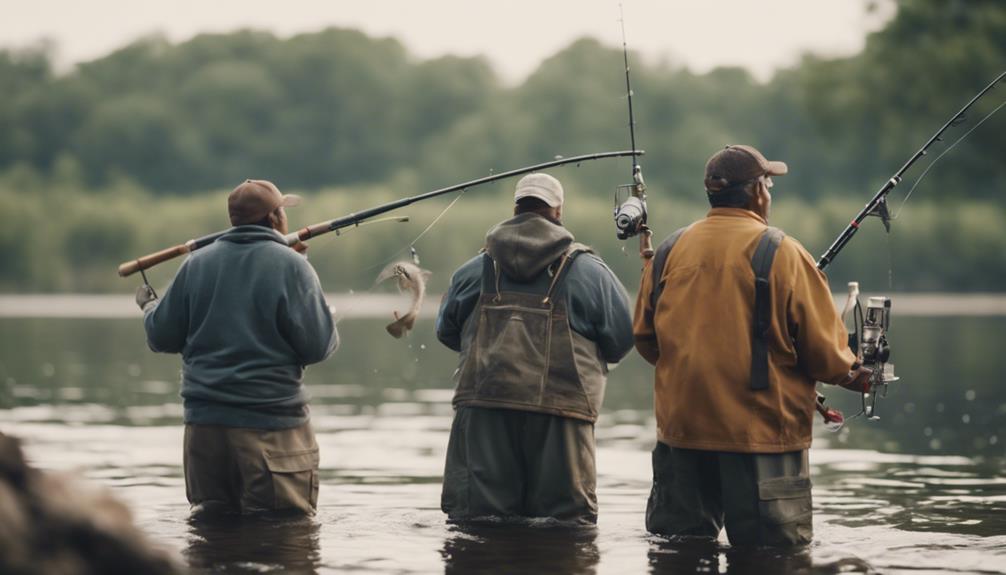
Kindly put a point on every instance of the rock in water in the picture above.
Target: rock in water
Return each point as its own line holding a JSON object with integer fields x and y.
{"x": 52, "y": 524}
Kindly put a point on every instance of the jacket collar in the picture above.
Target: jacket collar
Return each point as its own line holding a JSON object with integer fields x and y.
{"x": 252, "y": 233}
{"x": 735, "y": 213}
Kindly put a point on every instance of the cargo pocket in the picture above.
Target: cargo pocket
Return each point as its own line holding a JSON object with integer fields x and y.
{"x": 786, "y": 510}
{"x": 294, "y": 479}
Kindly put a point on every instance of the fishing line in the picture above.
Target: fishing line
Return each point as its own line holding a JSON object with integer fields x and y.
{"x": 943, "y": 153}
{"x": 890, "y": 263}
{"x": 412, "y": 245}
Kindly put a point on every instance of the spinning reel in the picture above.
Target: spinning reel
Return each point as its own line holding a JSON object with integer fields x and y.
{"x": 869, "y": 341}
{"x": 630, "y": 206}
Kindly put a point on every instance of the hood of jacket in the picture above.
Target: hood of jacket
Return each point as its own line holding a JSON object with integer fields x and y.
{"x": 526, "y": 244}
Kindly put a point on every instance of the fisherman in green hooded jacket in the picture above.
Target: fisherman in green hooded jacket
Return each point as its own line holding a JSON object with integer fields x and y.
{"x": 536, "y": 318}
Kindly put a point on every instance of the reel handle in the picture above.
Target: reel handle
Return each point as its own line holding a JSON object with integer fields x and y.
{"x": 645, "y": 242}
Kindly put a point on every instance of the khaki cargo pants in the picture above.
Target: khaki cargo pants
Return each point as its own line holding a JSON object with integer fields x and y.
{"x": 251, "y": 470}
{"x": 763, "y": 498}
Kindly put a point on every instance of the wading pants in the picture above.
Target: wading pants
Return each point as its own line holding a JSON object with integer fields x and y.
{"x": 251, "y": 470}
{"x": 510, "y": 463}
{"x": 763, "y": 498}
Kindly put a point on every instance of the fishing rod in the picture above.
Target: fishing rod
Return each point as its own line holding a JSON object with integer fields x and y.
{"x": 630, "y": 199}
{"x": 354, "y": 219}
{"x": 878, "y": 205}
{"x": 869, "y": 329}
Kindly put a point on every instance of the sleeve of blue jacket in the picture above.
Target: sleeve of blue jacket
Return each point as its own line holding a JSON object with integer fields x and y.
{"x": 306, "y": 319}
{"x": 167, "y": 320}
{"x": 599, "y": 307}
{"x": 459, "y": 302}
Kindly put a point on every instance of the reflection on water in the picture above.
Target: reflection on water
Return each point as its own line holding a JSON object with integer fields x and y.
{"x": 520, "y": 548}
{"x": 923, "y": 489}
{"x": 709, "y": 557}
{"x": 253, "y": 544}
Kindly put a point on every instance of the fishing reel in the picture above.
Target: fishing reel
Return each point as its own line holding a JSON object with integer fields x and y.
{"x": 630, "y": 207}
{"x": 869, "y": 341}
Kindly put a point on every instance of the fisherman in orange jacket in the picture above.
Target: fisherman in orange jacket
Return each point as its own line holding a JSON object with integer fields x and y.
{"x": 736, "y": 361}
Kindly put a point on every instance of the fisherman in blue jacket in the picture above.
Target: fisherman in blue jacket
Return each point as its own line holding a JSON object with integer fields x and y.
{"x": 247, "y": 314}
{"x": 536, "y": 318}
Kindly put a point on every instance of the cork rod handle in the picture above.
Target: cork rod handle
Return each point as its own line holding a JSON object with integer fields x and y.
{"x": 131, "y": 267}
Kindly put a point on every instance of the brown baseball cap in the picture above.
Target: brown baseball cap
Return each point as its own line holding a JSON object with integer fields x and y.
{"x": 253, "y": 200}
{"x": 738, "y": 164}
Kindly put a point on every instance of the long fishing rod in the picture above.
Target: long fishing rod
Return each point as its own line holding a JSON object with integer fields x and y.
{"x": 146, "y": 262}
{"x": 878, "y": 205}
{"x": 630, "y": 199}
{"x": 868, "y": 338}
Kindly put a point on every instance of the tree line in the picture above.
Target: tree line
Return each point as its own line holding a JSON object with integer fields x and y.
{"x": 339, "y": 108}
{"x": 134, "y": 151}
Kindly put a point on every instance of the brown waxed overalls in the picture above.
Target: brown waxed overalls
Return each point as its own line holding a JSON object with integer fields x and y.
{"x": 523, "y": 354}
{"x": 528, "y": 390}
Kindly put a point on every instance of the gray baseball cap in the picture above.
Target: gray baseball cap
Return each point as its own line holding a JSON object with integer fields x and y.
{"x": 541, "y": 186}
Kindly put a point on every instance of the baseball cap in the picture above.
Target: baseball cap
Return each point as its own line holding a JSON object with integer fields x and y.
{"x": 253, "y": 200}
{"x": 541, "y": 186}
{"x": 737, "y": 164}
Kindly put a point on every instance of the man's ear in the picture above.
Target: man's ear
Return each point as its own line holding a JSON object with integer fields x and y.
{"x": 274, "y": 219}
{"x": 762, "y": 198}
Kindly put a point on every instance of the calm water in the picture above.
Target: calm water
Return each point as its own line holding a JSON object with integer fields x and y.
{"x": 922, "y": 490}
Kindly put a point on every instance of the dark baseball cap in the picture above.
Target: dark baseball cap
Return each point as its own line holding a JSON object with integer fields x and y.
{"x": 737, "y": 164}
{"x": 253, "y": 200}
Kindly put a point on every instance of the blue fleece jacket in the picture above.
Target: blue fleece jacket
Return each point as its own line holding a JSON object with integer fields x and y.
{"x": 247, "y": 313}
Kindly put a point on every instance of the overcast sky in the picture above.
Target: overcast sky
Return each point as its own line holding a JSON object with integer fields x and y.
{"x": 516, "y": 35}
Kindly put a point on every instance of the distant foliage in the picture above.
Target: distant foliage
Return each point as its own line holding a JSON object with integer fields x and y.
{"x": 337, "y": 108}
{"x": 103, "y": 157}
{"x": 77, "y": 247}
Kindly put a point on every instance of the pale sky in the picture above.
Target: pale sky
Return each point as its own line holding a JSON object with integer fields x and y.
{"x": 516, "y": 35}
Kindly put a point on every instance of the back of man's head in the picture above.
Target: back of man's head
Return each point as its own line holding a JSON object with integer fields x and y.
{"x": 732, "y": 172}
{"x": 252, "y": 201}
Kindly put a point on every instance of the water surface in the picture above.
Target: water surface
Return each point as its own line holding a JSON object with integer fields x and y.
{"x": 922, "y": 490}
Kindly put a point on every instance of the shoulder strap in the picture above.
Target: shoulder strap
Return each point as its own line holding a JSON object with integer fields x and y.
{"x": 761, "y": 265}
{"x": 490, "y": 275}
{"x": 565, "y": 262}
{"x": 657, "y": 268}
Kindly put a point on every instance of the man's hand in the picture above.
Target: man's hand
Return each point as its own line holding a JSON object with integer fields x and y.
{"x": 145, "y": 296}
{"x": 300, "y": 247}
{"x": 858, "y": 379}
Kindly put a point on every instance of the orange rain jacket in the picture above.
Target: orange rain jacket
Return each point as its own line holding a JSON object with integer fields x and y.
{"x": 699, "y": 339}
